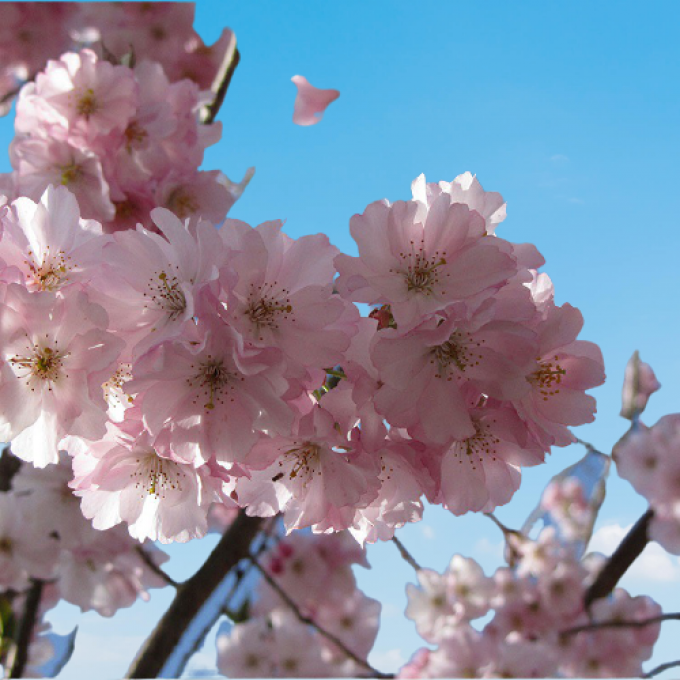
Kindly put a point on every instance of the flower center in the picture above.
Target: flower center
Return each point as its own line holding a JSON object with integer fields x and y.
{"x": 87, "y": 104}
{"x": 548, "y": 377}
{"x": 51, "y": 273}
{"x": 305, "y": 457}
{"x": 156, "y": 476}
{"x": 211, "y": 378}
{"x": 42, "y": 364}
{"x": 135, "y": 135}
{"x": 70, "y": 173}
{"x": 113, "y": 387}
{"x": 167, "y": 295}
{"x": 182, "y": 203}
{"x": 420, "y": 272}
{"x": 266, "y": 309}
{"x": 482, "y": 444}
{"x": 458, "y": 351}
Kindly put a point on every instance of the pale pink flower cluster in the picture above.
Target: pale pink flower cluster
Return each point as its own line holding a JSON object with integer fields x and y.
{"x": 219, "y": 353}
{"x": 531, "y": 606}
{"x": 649, "y": 458}
{"x": 568, "y": 508}
{"x": 473, "y": 358}
{"x": 43, "y": 535}
{"x": 316, "y": 572}
{"x": 123, "y": 140}
{"x": 33, "y": 32}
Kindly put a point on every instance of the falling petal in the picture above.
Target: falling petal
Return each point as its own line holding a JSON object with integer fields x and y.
{"x": 310, "y": 102}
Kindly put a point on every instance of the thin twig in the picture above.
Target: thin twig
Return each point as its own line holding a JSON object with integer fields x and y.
{"x": 513, "y": 539}
{"x": 616, "y": 566}
{"x": 220, "y": 85}
{"x": 155, "y": 568}
{"x": 406, "y": 554}
{"x": 660, "y": 669}
{"x": 617, "y": 623}
{"x": 19, "y": 656}
{"x": 310, "y": 622}
{"x": 590, "y": 447}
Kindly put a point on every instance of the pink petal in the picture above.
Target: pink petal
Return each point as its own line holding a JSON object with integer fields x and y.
{"x": 310, "y": 102}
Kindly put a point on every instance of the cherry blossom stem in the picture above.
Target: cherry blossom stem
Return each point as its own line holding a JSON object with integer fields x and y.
{"x": 616, "y": 566}
{"x": 615, "y": 623}
{"x": 508, "y": 533}
{"x": 590, "y": 447}
{"x": 231, "y": 60}
{"x": 18, "y": 658}
{"x": 374, "y": 673}
{"x": 192, "y": 595}
{"x": 660, "y": 669}
{"x": 146, "y": 558}
{"x": 406, "y": 554}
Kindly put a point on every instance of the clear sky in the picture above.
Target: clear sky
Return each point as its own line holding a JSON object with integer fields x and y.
{"x": 569, "y": 109}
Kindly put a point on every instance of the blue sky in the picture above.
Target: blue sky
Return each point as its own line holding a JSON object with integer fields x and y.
{"x": 570, "y": 110}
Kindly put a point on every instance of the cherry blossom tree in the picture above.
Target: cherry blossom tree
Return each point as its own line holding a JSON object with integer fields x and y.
{"x": 167, "y": 370}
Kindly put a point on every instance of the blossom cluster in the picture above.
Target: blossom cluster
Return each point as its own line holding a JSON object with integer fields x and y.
{"x": 649, "y": 458}
{"x": 123, "y": 140}
{"x": 533, "y": 608}
{"x": 31, "y": 33}
{"x": 185, "y": 365}
{"x": 474, "y": 360}
{"x": 44, "y": 536}
{"x": 315, "y": 571}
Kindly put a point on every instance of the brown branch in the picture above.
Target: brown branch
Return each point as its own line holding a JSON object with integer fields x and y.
{"x": 192, "y": 595}
{"x": 660, "y": 669}
{"x": 290, "y": 603}
{"x": 220, "y": 85}
{"x": 156, "y": 569}
{"x": 616, "y": 566}
{"x": 617, "y": 623}
{"x": 406, "y": 554}
{"x": 9, "y": 466}
{"x": 18, "y": 657}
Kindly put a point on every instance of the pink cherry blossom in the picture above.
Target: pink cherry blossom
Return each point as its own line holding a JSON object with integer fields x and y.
{"x": 464, "y": 189}
{"x": 131, "y": 476}
{"x": 280, "y": 293}
{"x": 78, "y": 98}
{"x": 317, "y": 474}
{"x": 218, "y": 394}
{"x": 48, "y": 242}
{"x": 56, "y": 353}
{"x": 565, "y": 367}
{"x": 419, "y": 261}
{"x": 311, "y": 102}
{"x": 639, "y": 383}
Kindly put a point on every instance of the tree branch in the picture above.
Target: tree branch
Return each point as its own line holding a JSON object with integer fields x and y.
{"x": 18, "y": 657}
{"x": 9, "y": 466}
{"x": 146, "y": 558}
{"x": 192, "y": 595}
{"x": 616, "y": 623}
{"x": 660, "y": 669}
{"x": 616, "y": 566}
{"x": 220, "y": 85}
{"x": 406, "y": 554}
{"x": 310, "y": 622}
